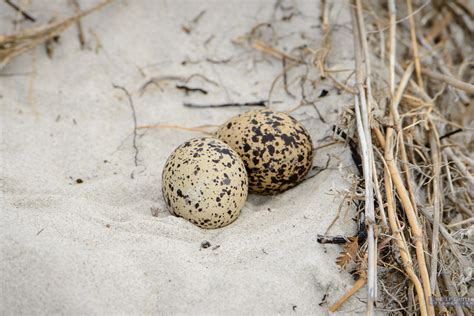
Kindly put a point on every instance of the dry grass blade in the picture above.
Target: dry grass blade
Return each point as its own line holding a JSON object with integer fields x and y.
{"x": 362, "y": 111}
{"x": 416, "y": 56}
{"x": 404, "y": 196}
{"x": 356, "y": 287}
{"x": 392, "y": 175}
{"x": 450, "y": 80}
{"x": 435, "y": 154}
{"x": 12, "y": 45}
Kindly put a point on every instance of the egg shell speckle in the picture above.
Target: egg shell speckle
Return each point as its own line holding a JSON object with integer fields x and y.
{"x": 276, "y": 149}
{"x": 205, "y": 182}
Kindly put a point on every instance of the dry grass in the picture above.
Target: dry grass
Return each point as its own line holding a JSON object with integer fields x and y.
{"x": 416, "y": 156}
{"x": 12, "y": 45}
{"x": 417, "y": 183}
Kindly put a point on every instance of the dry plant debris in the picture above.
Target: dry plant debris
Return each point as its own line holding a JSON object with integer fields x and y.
{"x": 422, "y": 177}
{"x": 12, "y": 45}
{"x": 411, "y": 128}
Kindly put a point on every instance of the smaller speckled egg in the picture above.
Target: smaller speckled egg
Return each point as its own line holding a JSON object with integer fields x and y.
{"x": 276, "y": 149}
{"x": 205, "y": 182}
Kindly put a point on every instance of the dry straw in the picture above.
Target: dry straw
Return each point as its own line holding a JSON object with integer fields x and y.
{"x": 12, "y": 45}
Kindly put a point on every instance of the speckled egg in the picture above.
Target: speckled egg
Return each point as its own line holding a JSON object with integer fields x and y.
{"x": 205, "y": 182}
{"x": 276, "y": 149}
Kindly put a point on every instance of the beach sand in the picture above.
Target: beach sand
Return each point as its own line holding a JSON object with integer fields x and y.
{"x": 86, "y": 231}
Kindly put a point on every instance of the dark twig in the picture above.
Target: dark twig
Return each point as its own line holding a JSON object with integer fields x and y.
{"x": 322, "y": 239}
{"x": 157, "y": 80}
{"x": 320, "y": 116}
{"x": 224, "y": 105}
{"x": 361, "y": 235}
{"x": 318, "y": 169}
{"x": 353, "y": 146}
{"x": 451, "y": 133}
{"x": 23, "y": 13}
{"x": 134, "y": 116}
{"x": 187, "y": 89}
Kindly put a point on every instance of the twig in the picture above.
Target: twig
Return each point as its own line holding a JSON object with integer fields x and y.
{"x": 392, "y": 11}
{"x": 405, "y": 197}
{"x": 199, "y": 129}
{"x": 80, "y": 31}
{"x": 285, "y": 79}
{"x": 423, "y": 291}
{"x": 378, "y": 194}
{"x": 12, "y": 45}
{"x": 157, "y": 80}
{"x": 266, "y": 48}
{"x": 442, "y": 66}
{"x": 134, "y": 116}
{"x": 190, "y": 26}
{"x": 224, "y": 105}
{"x": 463, "y": 222}
{"x": 324, "y": 16}
{"x": 352, "y": 146}
{"x": 435, "y": 156}
{"x": 322, "y": 239}
{"x": 398, "y": 124}
{"x": 318, "y": 170}
{"x": 461, "y": 167}
{"x": 427, "y": 2}
{"x": 356, "y": 287}
{"x": 458, "y": 130}
{"x": 187, "y": 89}
{"x": 396, "y": 232}
{"x": 450, "y": 80}
{"x": 416, "y": 56}
{"x": 362, "y": 110}
{"x": 23, "y": 12}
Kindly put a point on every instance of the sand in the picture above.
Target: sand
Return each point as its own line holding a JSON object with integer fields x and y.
{"x": 78, "y": 234}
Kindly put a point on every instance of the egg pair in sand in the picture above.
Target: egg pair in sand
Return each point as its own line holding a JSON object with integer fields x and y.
{"x": 206, "y": 180}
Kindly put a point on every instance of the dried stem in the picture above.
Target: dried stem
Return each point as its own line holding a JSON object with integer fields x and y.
{"x": 356, "y": 287}
{"x": 199, "y": 129}
{"x": 12, "y": 45}
{"x": 461, "y": 166}
{"x": 435, "y": 156}
{"x": 396, "y": 232}
{"x": 414, "y": 43}
{"x": 403, "y": 194}
{"x": 450, "y": 80}
{"x": 25, "y": 14}
{"x": 363, "y": 130}
{"x": 134, "y": 118}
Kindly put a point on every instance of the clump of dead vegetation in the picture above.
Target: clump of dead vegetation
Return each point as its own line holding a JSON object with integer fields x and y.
{"x": 12, "y": 45}
{"x": 412, "y": 120}
{"x": 410, "y": 129}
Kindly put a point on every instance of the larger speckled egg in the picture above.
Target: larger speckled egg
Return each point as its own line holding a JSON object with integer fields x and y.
{"x": 276, "y": 149}
{"x": 205, "y": 182}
